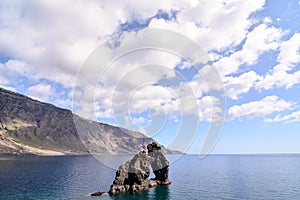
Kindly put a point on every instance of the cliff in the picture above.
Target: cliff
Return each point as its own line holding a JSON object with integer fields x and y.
{"x": 28, "y": 126}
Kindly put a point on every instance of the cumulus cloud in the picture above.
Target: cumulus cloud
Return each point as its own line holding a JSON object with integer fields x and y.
{"x": 154, "y": 95}
{"x": 261, "y": 39}
{"x": 235, "y": 86}
{"x": 130, "y": 67}
{"x": 264, "y": 107}
{"x": 52, "y": 39}
{"x": 215, "y": 25}
{"x": 284, "y": 74}
{"x": 55, "y": 37}
{"x": 289, "y": 50}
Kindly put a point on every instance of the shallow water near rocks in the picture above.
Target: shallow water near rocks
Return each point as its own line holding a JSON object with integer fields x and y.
{"x": 215, "y": 177}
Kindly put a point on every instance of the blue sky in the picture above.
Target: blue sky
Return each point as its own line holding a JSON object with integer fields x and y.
{"x": 46, "y": 48}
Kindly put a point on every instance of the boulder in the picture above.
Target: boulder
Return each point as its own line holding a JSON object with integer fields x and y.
{"x": 97, "y": 193}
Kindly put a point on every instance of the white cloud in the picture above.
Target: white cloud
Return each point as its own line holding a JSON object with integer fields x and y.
{"x": 213, "y": 24}
{"x": 150, "y": 96}
{"x": 104, "y": 113}
{"x": 267, "y": 20}
{"x": 290, "y": 50}
{"x": 293, "y": 117}
{"x": 279, "y": 77}
{"x": 199, "y": 85}
{"x": 288, "y": 57}
{"x": 235, "y": 86}
{"x": 13, "y": 71}
{"x": 131, "y": 63}
{"x": 209, "y": 109}
{"x": 168, "y": 101}
{"x": 261, "y": 39}
{"x": 55, "y": 37}
{"x": 63, "y": 103}
{"x": 264, "y": 107}
{"x": 15, "y": 68}
{"x": 137, "y": 120}
{"x": 41, "y": 92}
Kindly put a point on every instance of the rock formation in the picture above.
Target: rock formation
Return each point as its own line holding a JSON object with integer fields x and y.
{"x": 159, "y": 163}
{"x": 132, "y": 176}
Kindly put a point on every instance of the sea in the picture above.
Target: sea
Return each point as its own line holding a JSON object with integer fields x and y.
{"x": 213, "y": 177}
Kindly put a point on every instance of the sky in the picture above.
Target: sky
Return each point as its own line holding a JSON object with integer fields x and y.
{"x": 207, "y": 76}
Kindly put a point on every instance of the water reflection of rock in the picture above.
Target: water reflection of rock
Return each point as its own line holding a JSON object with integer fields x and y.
{"x": 132, "y": 176}
{"x": 128, "y": 196}
{"x": 161, "y": 192}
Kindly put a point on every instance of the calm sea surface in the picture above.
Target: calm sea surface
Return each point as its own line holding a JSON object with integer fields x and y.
{"x": 215, "y": 177}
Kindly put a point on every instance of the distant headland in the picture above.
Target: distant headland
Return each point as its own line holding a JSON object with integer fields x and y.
{"x": 31, "y": 127}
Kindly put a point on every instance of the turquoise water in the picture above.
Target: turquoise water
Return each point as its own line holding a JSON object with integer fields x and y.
{"x": 215, "y": 177}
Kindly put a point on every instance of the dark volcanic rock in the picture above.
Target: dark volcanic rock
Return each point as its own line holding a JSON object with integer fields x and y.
{"x": 132, "y": 176}
{"x": 159, "y": 163}
{"x": 97, "y": 193}
{"x": 139, "y": 168}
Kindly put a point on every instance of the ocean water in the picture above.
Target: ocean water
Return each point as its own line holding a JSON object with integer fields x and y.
{"x": 215, "y": 177}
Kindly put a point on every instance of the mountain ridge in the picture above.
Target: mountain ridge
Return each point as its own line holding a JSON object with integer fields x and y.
{"x": 28, "y": 126}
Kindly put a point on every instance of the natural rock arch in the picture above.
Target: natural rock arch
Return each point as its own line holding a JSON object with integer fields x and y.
{"x": 132, "y": 176}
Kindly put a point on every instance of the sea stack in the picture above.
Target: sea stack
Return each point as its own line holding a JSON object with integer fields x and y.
{"x": 132, "y": 176}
